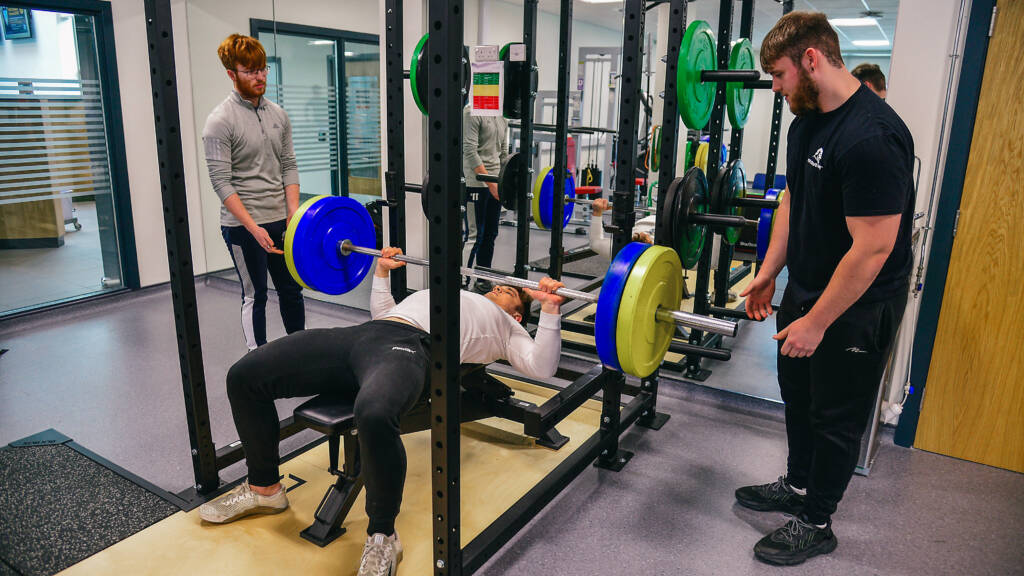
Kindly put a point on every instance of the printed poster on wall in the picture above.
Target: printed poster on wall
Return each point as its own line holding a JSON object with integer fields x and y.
{"x": 486, "y": 89}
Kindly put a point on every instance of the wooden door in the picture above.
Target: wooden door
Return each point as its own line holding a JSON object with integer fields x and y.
{"x": 974, "y": 399}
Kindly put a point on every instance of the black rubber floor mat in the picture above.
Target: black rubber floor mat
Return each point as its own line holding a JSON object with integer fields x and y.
{"x": 60, "y": 504}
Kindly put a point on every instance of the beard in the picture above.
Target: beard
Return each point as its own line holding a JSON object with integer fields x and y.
{"x": 805, "y": 99}
{"x": 248, "y": 88}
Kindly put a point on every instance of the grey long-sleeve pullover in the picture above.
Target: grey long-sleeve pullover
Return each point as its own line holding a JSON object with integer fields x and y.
{"x": 249, "y": 152}
{"x": 484, "y": 141}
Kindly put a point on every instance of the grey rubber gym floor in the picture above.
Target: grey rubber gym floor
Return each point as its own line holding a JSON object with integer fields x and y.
{"x": 107, "y": 375}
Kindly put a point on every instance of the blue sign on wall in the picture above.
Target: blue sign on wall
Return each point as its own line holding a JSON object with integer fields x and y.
{"x": 17, "y": 23}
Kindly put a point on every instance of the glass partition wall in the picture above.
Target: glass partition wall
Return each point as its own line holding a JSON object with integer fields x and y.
{"x": 58, "y": 225}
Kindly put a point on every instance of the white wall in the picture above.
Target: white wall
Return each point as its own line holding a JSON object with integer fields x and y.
{"x": 140, "y": 137}
{"x": 920, "y": 71}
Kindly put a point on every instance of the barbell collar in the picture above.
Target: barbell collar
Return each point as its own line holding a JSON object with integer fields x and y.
{"x": 729, "y": 75}
{"x": 687, "y": 319}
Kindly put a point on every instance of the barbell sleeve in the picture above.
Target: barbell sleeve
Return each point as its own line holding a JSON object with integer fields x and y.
{"x": 488, "y": 178}
{"x": 721, "y": 220}
{"x": 755, "y": 203}
{"x": 687, "y": 319}
{"x": 589, "y": 202}
{"x": 729, "y": 75}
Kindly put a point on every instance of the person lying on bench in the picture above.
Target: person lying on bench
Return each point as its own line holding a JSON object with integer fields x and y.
{"x": 381, "y": 366}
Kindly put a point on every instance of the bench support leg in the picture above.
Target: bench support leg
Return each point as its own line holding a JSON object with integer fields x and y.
{"x": 338, "y": 501}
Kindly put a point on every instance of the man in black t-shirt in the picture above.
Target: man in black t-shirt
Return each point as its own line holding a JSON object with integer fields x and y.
{"x": 843, "y": 229}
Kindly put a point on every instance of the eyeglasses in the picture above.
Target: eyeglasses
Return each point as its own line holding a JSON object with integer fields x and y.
{"x": 256, "y": 72}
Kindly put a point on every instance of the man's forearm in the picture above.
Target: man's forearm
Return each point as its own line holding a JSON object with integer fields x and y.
{"x": 291, "y": 198}
{"x": 852, "y": 278}
{"x": 481, "y": 169}
{"x": 234, "y": 205}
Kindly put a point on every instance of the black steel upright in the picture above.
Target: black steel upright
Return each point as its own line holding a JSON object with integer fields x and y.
{"x": 179, "y": 248}
{"x": 622, "y": 212}
{"x": 746, "y": 29}
{"x": 666, "y": 171}
{"x": 715, "y": 130}
{"x": 527, "y": 95}
{"x": 561, "y": 135}
{"x": 623, "y": 215}
{"x": 444, "y": 151}
{"x": 776, "y": 130}
{"x": 669, "y": 117}
{"x": 725, "y": 253}
{"x": 394, "y": 179}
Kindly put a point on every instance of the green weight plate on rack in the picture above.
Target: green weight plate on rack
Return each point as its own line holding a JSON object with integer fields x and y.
{"x": 696, "y": 54}
{"x": 737, "y": 98}
{"x": 418, "y": 74}
{"x": 516, "y": 74}
{"x": 656, "y": 281}
{"x": 731, "y": 184}
{"x": 418, "y": 70}
{"x": 690, "y": 198}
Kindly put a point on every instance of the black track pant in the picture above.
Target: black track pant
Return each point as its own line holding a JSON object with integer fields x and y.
{"x": 252, "y": 263}
{"x": 830, "y": 395}
{"x": 488, "y": 214}
{"x": 381, "y": 366}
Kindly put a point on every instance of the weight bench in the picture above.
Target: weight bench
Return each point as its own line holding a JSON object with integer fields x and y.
{"x": 483, "y": 396}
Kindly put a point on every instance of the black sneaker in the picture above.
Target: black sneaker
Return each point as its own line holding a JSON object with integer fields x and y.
{"x": 795, "y": 542}
{"x": 777, "y": 496}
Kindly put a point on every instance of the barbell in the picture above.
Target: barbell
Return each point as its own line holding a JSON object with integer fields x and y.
{"x": 328, "y": 248}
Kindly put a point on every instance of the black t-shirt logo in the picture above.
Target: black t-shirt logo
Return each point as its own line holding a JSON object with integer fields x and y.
{"x": 816, "y": 159}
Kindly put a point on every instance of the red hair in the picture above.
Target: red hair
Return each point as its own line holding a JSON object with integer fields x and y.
{"x": 245, "y": 50}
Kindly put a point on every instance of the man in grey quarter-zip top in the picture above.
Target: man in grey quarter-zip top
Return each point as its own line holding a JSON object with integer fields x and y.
{"x": 251, "y": 159}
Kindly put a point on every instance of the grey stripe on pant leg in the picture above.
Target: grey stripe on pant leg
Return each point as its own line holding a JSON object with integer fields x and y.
{"x": 247, "y": 296}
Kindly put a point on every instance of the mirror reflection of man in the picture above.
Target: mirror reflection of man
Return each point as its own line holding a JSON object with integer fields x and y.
{"x": 484, "y": 151}
{"x": 249, "y": 153}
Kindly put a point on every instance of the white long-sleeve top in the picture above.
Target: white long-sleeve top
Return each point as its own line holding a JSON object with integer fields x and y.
{"x": 487, "y": 333}
{"x": 603, "y": 244}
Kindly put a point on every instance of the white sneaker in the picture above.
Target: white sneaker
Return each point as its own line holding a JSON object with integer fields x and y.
{"x": 242, "y": 502}
{"x": 381, "y": 555}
